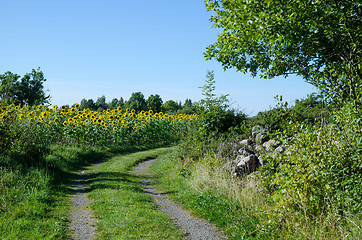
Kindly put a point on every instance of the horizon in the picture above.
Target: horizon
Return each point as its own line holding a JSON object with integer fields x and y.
{"x": 87, "y": 49}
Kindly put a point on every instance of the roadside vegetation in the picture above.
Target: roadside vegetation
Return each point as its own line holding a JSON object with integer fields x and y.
{"x": 41, "y": 146}
{"x": 123, "y": 210}
{"x": 312, "y": 190}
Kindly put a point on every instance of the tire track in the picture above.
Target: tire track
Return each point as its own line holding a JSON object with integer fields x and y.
{"x": 194, "y": 228}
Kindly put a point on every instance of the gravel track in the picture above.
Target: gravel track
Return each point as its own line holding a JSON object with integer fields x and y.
{"x": 82, "y": 221}
{"x": 195, "y": 229}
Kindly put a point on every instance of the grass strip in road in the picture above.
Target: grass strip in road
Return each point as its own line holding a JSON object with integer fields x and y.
{"x": 123, "y": 209}
{"x": 234, "y": 219}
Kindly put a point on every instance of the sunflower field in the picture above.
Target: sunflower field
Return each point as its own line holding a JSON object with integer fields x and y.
{"x": 47, "y": 125}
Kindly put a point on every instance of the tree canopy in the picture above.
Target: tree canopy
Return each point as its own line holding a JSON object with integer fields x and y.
{"x": 154, "y": 103}
{"x": 319, "y": 40}
{"x": 29, "y": 89}
{"x": 170, "y": 106}
{"x": 137, "y": 101}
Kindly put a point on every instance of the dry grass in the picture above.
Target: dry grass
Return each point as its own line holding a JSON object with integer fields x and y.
{"x": 212, "y": 177}
{"x": 246, "y": 193}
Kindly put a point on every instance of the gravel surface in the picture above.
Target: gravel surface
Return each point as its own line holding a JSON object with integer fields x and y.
{"x": 81, "y": 217}
{"x": 195, "y": 229}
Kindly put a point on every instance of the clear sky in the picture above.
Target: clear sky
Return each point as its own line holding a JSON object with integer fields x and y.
{"x": 88, "y": 48}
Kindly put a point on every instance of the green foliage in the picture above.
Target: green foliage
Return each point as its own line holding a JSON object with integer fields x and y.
{"x": 154, "y": 103}
{"x": 319, "y": 41}
{"x": 113, "y": 104}
{"x": 84, "y": 104}
{"x": 214, "y": 114}
{"x": 28, "y": 90}
{"x": 170, "y": 107}
{"x": 311, "y": 110}
{"x": 215, "y": 122}
{"x": 22, "y": 142}
{"x": 321, "y": 168}
{"x": 8, "y": 87}
{"x": 101, "y": 104}
{"x": 137, "y": 102}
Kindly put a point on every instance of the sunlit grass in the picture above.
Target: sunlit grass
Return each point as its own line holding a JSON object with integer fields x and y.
{"x": 123, "y": 209}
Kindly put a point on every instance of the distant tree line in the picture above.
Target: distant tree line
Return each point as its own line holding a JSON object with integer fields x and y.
{"x": 138, "y": 102}
{"x": 30, "y": 90}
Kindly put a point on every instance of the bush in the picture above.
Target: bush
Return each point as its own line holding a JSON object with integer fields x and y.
{"x": 321, "y": 169}
{"x": 311, "y": 110}
{"x": 22, "y": 142}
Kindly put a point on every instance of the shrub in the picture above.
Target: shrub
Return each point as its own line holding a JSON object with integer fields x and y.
{"x": 321, "y": 170}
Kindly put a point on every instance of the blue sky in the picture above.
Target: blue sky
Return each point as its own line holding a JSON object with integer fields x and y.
{"x": 87, "y": 49}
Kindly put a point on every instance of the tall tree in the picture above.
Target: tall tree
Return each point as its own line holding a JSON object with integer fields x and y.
{"x": 154, "y": 103}
{"x": 121, "y": 103}
{"x": 188, "y": 103}
{"x": 101, "y": 103}
{"x": 137, "y": 102}
{"x": 318, "y": 40}
{"x": 8, "y": 82}
{"x": 88, "y": 104}
{"x": 29, "y": 89}
{"x": 170, "y": 106}
{"x": 113, "y": 104}
{"x": 187, "y": 107}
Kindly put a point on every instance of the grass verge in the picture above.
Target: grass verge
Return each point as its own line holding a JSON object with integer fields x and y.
{"x": 194, "y": 185}
{"x": 123, "y": 209}
{"x": 238, "y": 208}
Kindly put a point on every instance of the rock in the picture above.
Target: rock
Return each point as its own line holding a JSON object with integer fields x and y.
{"x": 255, "y": 130}
{"x": 262, "y": 161}
{"x": 245, "y": 151}
{"x": 261, "y": 138}
{"x": 269, "y": 145}
{"x": 279, "y": 149}
{"x": 246, "y": 142}
{"x": 246, "y": 165}
{"x": 228, "y": 150}
{"x": 258, "y": 148}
